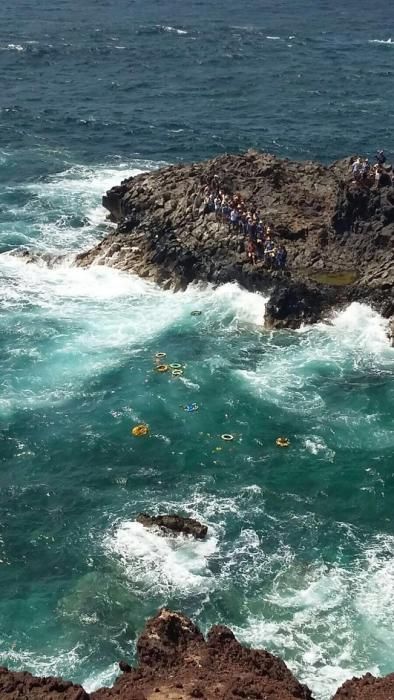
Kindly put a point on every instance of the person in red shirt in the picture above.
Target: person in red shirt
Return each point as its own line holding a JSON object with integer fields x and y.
{"x": 251, "y": 251}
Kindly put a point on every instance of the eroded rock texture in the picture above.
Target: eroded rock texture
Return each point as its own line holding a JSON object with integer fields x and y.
{"x": 175, "y": 662}
{"x": 328, "y": 224}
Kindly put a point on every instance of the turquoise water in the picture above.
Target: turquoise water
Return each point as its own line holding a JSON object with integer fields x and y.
{"x": 300, "y": 554}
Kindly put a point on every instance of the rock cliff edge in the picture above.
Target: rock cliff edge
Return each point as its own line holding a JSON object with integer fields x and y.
{"x": 338, "y": 233}
{"x": 175, "y": 662}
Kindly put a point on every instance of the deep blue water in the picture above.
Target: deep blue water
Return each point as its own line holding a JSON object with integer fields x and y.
{"x": 300, "y": 556}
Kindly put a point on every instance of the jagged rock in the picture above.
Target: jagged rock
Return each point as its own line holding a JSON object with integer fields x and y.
{"x": 16, "y": 685}
{"x": 175, "y": 661}
{"x": 367, "y": 688}
{"x": 174, "y": 523}
{"x": 124, "y": 666}
{"x": 294, "y": 304}
{"x": 328, "y": 223}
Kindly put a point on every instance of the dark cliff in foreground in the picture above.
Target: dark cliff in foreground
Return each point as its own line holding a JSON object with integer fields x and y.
{"x": 175, "y": 662}
{"x": 335, "y": 231}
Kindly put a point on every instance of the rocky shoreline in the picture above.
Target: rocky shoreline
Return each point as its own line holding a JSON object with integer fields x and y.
{"x": 338, "y": 233}
{"x": 175, "y": 662}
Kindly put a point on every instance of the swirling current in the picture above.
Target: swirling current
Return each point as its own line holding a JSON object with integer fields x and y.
{"x": 300, "y": 555}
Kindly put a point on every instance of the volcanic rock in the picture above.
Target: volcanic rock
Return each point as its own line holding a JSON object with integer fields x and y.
{"x": 367, "y": 688}
{"x": 177, "y": 663}
{"x": 15, "y": 685}
{"x": 339, "y": 234}
{"x": 174, "y": 523}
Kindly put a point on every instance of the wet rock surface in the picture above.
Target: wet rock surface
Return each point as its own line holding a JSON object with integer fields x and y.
{"x": 174, "y": 523}
{"x": 176, "y": 662}
{"x": 329, "y": 225}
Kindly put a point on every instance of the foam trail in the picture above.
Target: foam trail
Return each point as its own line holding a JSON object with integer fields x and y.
{"x": 64, "y": 211}
{"x": 162, "y": 564}
{"x": 357, "y": 335}
{"x": 305, "y": 609}
{"x": 172, "y": 29}
{"x": 381, "y": 41}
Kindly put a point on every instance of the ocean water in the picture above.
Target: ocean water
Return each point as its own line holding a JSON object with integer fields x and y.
{"x": 300, "y": 553}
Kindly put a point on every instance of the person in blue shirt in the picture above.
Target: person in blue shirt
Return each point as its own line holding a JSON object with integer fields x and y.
{"x": 281, "y": 257}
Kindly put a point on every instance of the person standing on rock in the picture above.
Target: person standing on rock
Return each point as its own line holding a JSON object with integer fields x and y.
{"x": 226, "y": 210}
{"x": 215, "y": 184}
{"x": 233, "y": 219}
{"x": 356, "y": 169}
{"x": 365, "y": 169}
{"x": 281, "y": 257}
{"x": 380, "y": 157}
{"x": 251, "y": 251}
{"x": 218, "y": 208}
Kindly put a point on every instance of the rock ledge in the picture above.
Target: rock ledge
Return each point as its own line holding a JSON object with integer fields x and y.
{"x": 175, "y": 662}
{"x": 339, "y": 234}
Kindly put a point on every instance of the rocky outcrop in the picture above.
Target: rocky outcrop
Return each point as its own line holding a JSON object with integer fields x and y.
{"x": 175, "y": 662}
{"x": 295, "y": 303}
{"x": 174, "y": 523}
{"x": 338, "y": 234}
{"x": 18, "y": 686}
{"x": 367, "y": 688}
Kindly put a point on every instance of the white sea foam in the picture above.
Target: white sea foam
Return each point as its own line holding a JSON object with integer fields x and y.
{"x": 172, "y": 29}
{"x": 104, "y": 679}
{"x": 94, "y": 336}
{"x": 357, "y": 335}
{"x": 246, "y": 307}
{"x": 323, "y": 620}
{"x": 162, "y": 565}
{"x": 64, "y": 662}
{"x": 13, "y": 47}
{"x": 66, "y": 207}
{"x": 358, "y": 328}
{"x": 382, "y": 41}
{"x": 316, "y": 445}
{"x": 302, "y": 601}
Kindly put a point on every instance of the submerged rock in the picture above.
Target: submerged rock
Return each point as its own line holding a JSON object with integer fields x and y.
{"x": 39, "y": 258}
{"x": 174, "y": 523}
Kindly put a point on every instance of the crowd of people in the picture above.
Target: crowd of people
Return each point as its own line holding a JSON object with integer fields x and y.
{"x": 365, "y": 173}
{"x": 232, "y": 211}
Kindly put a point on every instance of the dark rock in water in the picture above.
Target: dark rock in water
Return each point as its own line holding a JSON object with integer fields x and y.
{"x": 124, "y": 666}
{"x": 38, "y": 258}
{"x": 174, "y": 523}
{"x": 294, "y": 304}
{"x": 332, "y": 228}
{"x": 367, "y": 688}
